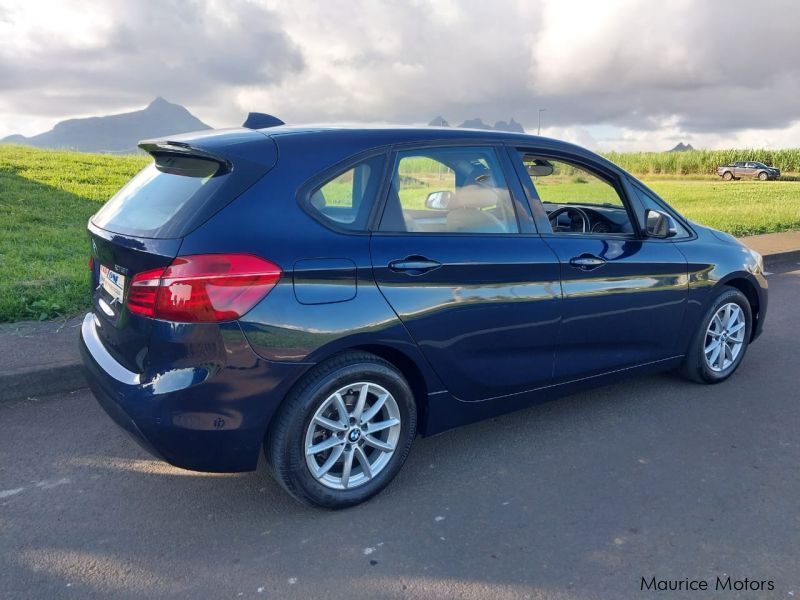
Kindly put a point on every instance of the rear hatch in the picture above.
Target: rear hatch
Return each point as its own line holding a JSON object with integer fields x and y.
{"x": 142, "y": 227}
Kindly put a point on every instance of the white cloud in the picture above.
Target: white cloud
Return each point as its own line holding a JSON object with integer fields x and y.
{"x": 709, "y": 73}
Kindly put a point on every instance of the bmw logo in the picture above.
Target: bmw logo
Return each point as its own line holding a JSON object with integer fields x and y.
{"x": 354, "y": 435}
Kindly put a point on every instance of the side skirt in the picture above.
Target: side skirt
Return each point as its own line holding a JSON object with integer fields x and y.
{"x": 446, "y": 411}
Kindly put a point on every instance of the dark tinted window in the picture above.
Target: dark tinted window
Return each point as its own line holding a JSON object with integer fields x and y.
{"x": 153, "y": 203}
{"x": 346, "y": 199}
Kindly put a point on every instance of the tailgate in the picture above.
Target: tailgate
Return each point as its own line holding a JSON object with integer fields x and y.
{"x": 117, "y": 258}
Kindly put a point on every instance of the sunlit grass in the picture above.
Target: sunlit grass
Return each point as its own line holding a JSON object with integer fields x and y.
{"x": 47, "y": 197}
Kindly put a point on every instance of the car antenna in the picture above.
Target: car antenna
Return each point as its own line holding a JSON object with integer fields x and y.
{"x": 257, "y": 120}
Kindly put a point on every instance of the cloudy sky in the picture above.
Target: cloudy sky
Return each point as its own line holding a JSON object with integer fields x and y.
{"x": 611, "y": 74}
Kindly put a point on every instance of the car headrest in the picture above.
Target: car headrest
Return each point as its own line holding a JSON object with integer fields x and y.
{"x": 473, "y": 196}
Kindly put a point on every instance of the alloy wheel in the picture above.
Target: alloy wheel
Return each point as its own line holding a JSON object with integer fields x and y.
{"x": 725, "y": 337}
{"x": 352, "y": 435}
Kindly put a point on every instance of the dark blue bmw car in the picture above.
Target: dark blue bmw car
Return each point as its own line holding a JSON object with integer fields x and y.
{"x": 326, "y": 294}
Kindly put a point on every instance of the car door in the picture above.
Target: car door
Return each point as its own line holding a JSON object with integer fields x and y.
{"x": 749, "y": 170}
{"x": 624, "y": 295}
{"x": 457, "y": 257}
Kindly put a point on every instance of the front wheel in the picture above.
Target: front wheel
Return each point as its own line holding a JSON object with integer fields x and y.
{"x": 344, "y": 433}
{"x": 763, "y": 176}
{"x": 721, "y": 340}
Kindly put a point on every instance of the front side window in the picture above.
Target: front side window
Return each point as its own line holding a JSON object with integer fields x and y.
{"x": 346, "y": 199}
{"x": 449, "y": 190}
{"x": 575, "y": 199}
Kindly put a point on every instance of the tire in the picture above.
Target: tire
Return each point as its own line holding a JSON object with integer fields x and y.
{"x": 702, "y": 367}
{"x": 727, "y": 175}
{"x": 763, "y": 176}
{"x": 298, "y": 426}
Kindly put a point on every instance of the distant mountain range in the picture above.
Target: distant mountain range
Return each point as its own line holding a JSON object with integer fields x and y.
{"x": 477, "y": 123}
{"x": 681, "y": 147}
{"x": 115, "y": 133}
{"x": 118, "y": 134}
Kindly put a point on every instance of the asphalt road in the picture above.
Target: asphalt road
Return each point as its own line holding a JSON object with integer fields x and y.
{"x": 574, "y": 499}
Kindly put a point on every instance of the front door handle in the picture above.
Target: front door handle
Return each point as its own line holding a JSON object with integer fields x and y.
{"x": 586, "y": 262}
{"x": 414, "y": 265}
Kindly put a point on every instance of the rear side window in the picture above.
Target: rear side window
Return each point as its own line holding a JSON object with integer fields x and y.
{"x": 346, "y": 199}
{"x": 157, "y": 201}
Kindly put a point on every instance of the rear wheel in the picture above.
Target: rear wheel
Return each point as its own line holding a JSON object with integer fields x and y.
{"x": 727, "y": 175}
{"x": 344, "y": 433}
{"x": 721, "y": 340}
{"x": 763, "y": 176}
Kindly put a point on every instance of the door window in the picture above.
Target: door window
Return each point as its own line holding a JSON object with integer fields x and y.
{"x": 576, "y": 200}
{"x": 449, "y": 190}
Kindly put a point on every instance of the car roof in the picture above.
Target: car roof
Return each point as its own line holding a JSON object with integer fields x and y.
{"x": 384, "y": 135}
{"x": 399, "y": 134}
{"x": 363, "y": 137}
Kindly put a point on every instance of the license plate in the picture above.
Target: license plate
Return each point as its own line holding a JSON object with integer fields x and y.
{"x": 113, "y": 283}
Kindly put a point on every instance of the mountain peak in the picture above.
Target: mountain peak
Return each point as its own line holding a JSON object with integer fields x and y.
{"x": 439, "y": 121}
{"x": 117, "y": 133}
{"x": 159, "y": 102}
{"x": 477, "y": 123}
{"x": 681, "y": 147}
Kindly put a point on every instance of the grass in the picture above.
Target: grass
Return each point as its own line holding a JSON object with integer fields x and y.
{"x": 46, "y": 198}
{"x": 737, "y": 207}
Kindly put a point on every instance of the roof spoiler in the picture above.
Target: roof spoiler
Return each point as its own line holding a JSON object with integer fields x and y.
{"x": 257, "y": 120}
{"x": 161, "y": 150}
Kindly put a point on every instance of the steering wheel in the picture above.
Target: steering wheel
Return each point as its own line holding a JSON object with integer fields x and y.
{"x": 572, "y": 211}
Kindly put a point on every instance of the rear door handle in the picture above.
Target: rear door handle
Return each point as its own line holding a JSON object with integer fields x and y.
{"x": 586, "y": 262}
{"x": 414, "y": 265}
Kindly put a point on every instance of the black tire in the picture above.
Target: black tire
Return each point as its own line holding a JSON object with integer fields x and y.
{"x": 727, "y": 175}
{"x": 763, "y": 176}
{"x": 695, "y": 366}
{"x": 284, "y": 445}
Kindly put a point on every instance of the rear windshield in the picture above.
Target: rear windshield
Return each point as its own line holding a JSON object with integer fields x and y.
{"x": 158, "y": 202}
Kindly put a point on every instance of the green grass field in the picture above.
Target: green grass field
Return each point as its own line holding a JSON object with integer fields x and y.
{"x": 46, "y": 198}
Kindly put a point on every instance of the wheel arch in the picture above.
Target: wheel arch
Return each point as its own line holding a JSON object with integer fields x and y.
{"x": 741, "y": 282}
{"x": 420, "y": 382}
{"x": 409, "y": 369}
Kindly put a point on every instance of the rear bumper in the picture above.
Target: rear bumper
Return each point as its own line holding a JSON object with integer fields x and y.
{"x": 205, "y": 418}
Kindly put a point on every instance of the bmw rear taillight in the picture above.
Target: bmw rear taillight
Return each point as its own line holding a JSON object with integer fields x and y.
{"x": 203, "y": 288}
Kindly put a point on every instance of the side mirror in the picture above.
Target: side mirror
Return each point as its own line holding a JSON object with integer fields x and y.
{"x": 659, "y": 224}
{"x": 439, "y": 200}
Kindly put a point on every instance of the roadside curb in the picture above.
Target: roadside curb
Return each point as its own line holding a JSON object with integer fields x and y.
{"x": 60, "y": 369}
{"x": 42, "y": 381}
{"x": 780, "y": 259}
